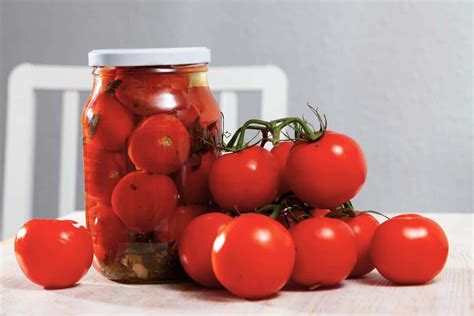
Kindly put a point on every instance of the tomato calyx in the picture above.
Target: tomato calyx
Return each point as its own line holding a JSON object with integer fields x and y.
{"x": 271, "y": 131}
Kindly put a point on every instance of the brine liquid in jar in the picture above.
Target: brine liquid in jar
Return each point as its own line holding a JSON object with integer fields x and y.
{"x": 148, "y": 131}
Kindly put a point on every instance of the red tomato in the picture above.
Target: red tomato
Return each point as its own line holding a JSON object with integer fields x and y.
{"x": 173, "y": 227}
{"x": 53, "y": 253}
{"x": 107, "y": 123}
{"x": 244, "y": 180}
{"x": 152, "y": 94}
{"x": 110, "y": 235}
{"x": 203, "y": 100}
{"x": 328, "y": 172}
{"x": 409, "y": 249}
{"x": 142, "y": 200}
{"x": 102, "y": 171}
{"x": 195, "y": 247}
{"x": 91, "y": 214}
{"x": 253, "y": 256}
{"x": 320, "y": 212}
{"x": 192, "y": 179}
{"x": 363, "y": 225}
{"x": 161, "y": 144}
{"x": 325, "y": 252}
{"x": 281, "y": 153}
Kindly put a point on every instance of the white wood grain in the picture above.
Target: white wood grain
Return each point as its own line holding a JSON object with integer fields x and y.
{"x": 449, "y": 294}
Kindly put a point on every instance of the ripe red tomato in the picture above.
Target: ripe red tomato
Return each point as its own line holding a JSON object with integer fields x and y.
{"x": 142, "y": 200}
{"x": 110, "y": 235}
{"x": 281, "y": 153}
{"x": 325, "y": 252}
{"x": 409, "y": 249}
{"x": 53, "y": 253}
{"x": 202, "y": 99}
{"x": 244, "y": 180}
{"x": 195, "y": 247}
{"x": 363, "y": 225}
{"x": 253, "y": 256}
{"x": 106, "y": 123}
{"x": 102, "y": 171}
{"x": 328, "y": 172}
{"x": 320, "y": 212}
{"x": 192, "y": 179}
{"x": 173, "y": 227}
{"x": 160, "y": 144}
{"x": 148, "y": 94}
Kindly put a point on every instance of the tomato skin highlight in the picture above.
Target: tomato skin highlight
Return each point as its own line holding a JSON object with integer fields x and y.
{"x": 160, "y": 144}
{"x": 53, "y": 253}
{"x": 192, "y": 179}
{"x": 409, "y": 249}
{"x": 195, "y": 247}
{"x": 253, "y": 256}
{"x": 281, "y": 153}
{"x": 325, "y": 252}
{"x": 142, "y": 200}
{"x": 151, "y": 94}
{"x": 106, "y": 123}
{"x": 328, "y": 172}
{"x": 244, "y": 180}
{"x": 364, "y": 226}
{"x": 174, "y": 225}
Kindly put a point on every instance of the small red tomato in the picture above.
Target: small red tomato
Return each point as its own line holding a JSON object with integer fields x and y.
{"x": 409, "y": 249}
{"x": 195, "y": 247}
{"x": 160, "y": 144}
{"x": 202, "y": 99}
{"x": 173, "y": 227}
{"x": 102, "y": 171}
{"x": 325, "y": 252}
{"x": 320, "y": 212}
{"x": 110, "y": 235}
{"x": 192, "y": 179}
{"x": 107, "y": 123}
{"x": 53, "y": 253}
{"x": 148, "y": 94}
{"x": 328, "y": 172}
{"x": 142, "y": 200}
{"x": 364, "y": 226}
{"x": 253, "y": 256}
{"x": 281, "y": 153}
{"x": 244, "y": 180}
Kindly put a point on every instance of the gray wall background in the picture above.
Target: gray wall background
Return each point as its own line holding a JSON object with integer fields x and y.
{"x": 396, "y": 76}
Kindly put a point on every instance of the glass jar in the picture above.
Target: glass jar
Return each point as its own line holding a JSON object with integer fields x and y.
{"x": 148, "y": 129}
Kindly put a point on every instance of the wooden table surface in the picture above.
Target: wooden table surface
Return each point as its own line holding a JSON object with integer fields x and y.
{"x": 449, "y": 294}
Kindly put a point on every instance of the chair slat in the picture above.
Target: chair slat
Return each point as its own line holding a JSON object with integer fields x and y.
{"x": 69, "y": 155}
{"x": 19, "y": 151}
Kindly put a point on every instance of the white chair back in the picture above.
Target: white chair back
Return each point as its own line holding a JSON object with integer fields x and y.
{"x": 25, "y": 79}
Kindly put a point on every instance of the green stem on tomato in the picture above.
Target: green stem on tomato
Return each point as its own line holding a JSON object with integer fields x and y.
{"x": 375, "y": 212}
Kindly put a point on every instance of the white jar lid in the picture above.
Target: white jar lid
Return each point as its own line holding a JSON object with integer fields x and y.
{"x": 149, "y": 56}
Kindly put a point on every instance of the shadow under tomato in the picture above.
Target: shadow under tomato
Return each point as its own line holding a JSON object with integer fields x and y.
{"x": 375, "y": 279}
{"x": 296, "y": 288}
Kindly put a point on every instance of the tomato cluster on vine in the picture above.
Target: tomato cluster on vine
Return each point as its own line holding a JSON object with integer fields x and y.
{"x": 293, "y": 218}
